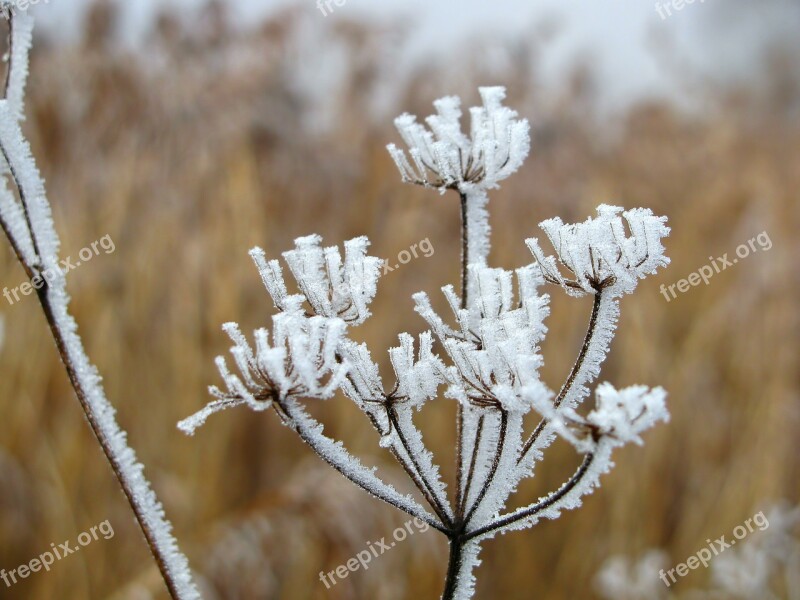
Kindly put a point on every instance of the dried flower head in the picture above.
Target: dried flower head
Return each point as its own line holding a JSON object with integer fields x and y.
{"x": 299, "y": 360}
{"x": 333, "y": 288}
{"x": 443, "y": 157}
{"x": 600, "y": 254}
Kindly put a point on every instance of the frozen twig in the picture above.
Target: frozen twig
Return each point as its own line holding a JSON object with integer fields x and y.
{"x": 29, "y": 226}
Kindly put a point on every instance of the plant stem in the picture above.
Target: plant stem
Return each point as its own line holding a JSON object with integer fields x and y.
{"x": 102, "y": 437}
{"x": 460, "y": 410}
{"x": 573, "y": 374}
{"x": 295, "y": 417}
{"x": 454, "y": 566}
{"x": 538, "y": 507}
{"x": 501, "y": 444}
{"x": 464, "y": 251}
{"x": 416, "y": 473}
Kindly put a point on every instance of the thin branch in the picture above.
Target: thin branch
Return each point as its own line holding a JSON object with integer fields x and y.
{"x": 25, "y": 204}
{"x": 464, "y": 251}
{"x": 501, "y": 442}
{"x": 403, "y": 455}
{"x": 454, "y": 564}
{"x": 309, "y": 431}
{"x": 99, "y": 413}
{"x": 568, "y": 384}
{"x": 534, "y": 509}
{"x": 416, "y": 473}
{"x": 460, "y": 410}
{"x": 473, "y": 461}
{"x": 102, "y": 438}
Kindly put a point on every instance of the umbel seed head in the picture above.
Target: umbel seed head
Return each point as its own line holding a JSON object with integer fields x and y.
{"x": 443, "y": 157}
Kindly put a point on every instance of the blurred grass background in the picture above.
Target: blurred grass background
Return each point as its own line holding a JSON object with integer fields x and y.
{"x": 211, "y": 142}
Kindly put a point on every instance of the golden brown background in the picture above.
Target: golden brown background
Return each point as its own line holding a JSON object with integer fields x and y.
{"x": 201, "y": 147}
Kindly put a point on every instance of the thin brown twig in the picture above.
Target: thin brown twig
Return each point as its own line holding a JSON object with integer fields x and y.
{"x": 415, "y": 472}
{"x": 501, "y": 442}
{"x": 573, "y": 374}
{"x": 471, "y": 472}
{"x": 543, "y": 504}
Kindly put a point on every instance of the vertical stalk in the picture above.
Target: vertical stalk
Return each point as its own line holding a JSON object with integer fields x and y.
{"x": 454, "y": 566}
{"x": 102, "y": 435}
{"x": 41, "y": 258}
{"x": 459, "y": 582}
{"x": 474, "y": 250}
{"x": 464, "y": 251}
{"x": 460, "y": 411}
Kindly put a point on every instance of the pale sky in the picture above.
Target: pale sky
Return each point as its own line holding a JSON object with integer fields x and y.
{"x": 616, "y": 33}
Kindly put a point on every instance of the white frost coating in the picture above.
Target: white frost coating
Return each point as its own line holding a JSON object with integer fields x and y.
{"x": 300, "y": 359}
{"x": 625, "y": 414}
{"x": 12, "y": 217}
{"x": 17, "y": 154}
{"x": 422, "y": 457}
{"x": 465, "y": 580}
{"x": 444, "y": 157}
{"x": 478, "y": 233}
{"x": 597, "y": 350}
{"x": 496, "y": 354}
{"x": 599, "y": 252}
{"x": 21, "y": 38}
{"x": 337, "y": 456}
{"x": 505, "y": 478}
{"x": 332, "y": 287}
{"x": 568, "y": 497}
{"x": 14, "y": 223}
{"x": 122, "y": 455}
{"x": 492, "y": 345}
{"x": 363, "y": 385}
{"x": 417, "y": 380}
{"x": 32, "y": 231}
{"x": 620, "y": 416}
{"x": 487, "y": 423}
{"x": 310, "y": 357}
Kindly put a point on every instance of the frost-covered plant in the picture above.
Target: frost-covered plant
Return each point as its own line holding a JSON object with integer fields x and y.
{"x": 488, "y": 356}
{"x": 27, "y": 222}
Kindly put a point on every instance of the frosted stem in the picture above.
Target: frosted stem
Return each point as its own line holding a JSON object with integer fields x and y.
{"x": 409, "y": 454}
{"x": 586, "y": 367}
{"x": 146, "y": 507}
{"x": 464, "y": 252}
{"x": 472, "y": 462}
{"x": 334, "y": 453}
{"x": 38, "y": 256}
{"x": 460, "y": 581}
{"x": 552, "y": 501}
{"x": 475, "y": 245}
{"x": 475, "y": 238}
{"x": 501, "y": 446}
